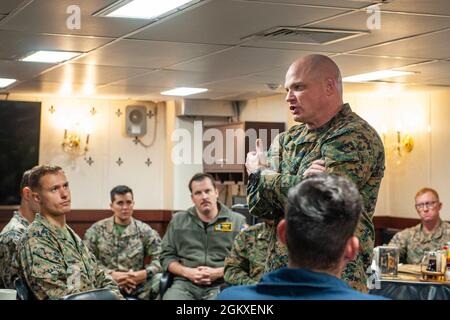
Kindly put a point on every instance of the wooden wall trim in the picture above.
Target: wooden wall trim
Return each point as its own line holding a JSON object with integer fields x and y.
{"x": 394, "y": 222}
{"x": 81, "y": 220}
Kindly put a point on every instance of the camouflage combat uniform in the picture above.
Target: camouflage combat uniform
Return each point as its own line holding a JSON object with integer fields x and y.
{"x": 248, "y": 257}
{"x": 9, "y": 237}
{"x": 55, "y": 262}
{"x": 350, "y": 147}
{"x": 127, "y": 252}
{"x": 193, "y": 243}
{"x": 413, "y": 242}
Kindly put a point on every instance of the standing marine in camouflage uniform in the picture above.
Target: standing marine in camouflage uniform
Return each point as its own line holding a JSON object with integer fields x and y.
{"x": 54, "y": 261}
{"x": 122, "y": 244}
{"x": 248, "y": 257}
{"x": 429, "y": 235}
{"x": 11, "y": 233}
{"x": 331, "y": 138}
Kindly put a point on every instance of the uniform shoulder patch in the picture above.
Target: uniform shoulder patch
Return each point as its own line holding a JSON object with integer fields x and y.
{"x": 223, "y": 227}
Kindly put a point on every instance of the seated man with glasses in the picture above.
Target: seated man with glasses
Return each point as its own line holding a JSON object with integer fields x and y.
{"x": 430, "y": 234}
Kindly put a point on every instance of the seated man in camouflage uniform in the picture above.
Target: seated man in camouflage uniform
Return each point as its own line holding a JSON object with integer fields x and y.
{"x": 248, "y": 257}
{"x": 53, "y": 259}
{"x": 430, "y": 234}
{"x": 197, "y": 241}
{"x": 11, "y": 233}
{"x": 122, "y": 244}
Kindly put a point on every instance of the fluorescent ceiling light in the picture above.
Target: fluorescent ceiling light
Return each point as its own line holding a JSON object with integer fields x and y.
{"x": 51, "y": 56}
{"x": 183, "y": 91}
{"x": 146, "y": 9}
{"x": 4, "y": 82}
{"x": 376, "y": 75}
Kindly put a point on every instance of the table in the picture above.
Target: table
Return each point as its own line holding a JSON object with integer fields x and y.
{"x": 399, "y": 289}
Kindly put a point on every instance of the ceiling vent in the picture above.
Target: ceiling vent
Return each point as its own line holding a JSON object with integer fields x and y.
{"x": 305, "y": 35}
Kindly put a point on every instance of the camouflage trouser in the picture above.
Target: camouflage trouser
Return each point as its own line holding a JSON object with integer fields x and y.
{"x": 186, "y": 290}
{"x": 148, "y": 290}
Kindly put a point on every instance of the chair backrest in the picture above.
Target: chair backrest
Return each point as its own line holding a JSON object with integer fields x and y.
{"x": 164, "y": 283}
{"x": 387, "y": 234}
{"x": 96, "y": 294}
{"x": 23, "y": 291}
{"x": 243, "y": 209}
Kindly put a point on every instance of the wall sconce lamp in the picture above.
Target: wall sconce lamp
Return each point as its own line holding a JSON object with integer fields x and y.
{"x": 404, "y": 144}
{"x": 72, "y": 143}
{"x": 400, "y": 143}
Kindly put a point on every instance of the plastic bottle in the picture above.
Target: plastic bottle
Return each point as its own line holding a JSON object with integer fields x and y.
{"x": 447, "y": 272}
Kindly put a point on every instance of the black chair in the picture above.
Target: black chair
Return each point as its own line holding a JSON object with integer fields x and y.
{"x": 23, "y": 291}
{"x": 96, "y": 294}
{"x": 243, "y": 209}
{"x": 387, "y": 234}
{"x": 164, "y": 283}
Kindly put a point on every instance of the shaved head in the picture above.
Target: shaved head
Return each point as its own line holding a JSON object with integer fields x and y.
{"x": 319, "y": 68}
{"x": 313, "y": 90}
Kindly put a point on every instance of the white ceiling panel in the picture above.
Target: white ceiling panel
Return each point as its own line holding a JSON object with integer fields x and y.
{"x": 49, "y": 16}
{"x": 434, "y": 46}
{"x": 354, "y": 64}
{"x": 148, "y": 54}
{"x": 393, "y": 26}
{"x": 250, "y": 84}
{"x": 439, "y": 82}
{"x": 6, "y": 6}
{"x": 240, "y": 61}
{"x": 16, "y": 45}
{"x": 440, "y": 7}
{"x": 227, "y": 21}
{"x": 129, "y": 91}
{"x": 167, "y": 79}
{"x": 426, "y": 73}
{"x": 209, "y": 45}
{"x": 331, "y": 3}
{"x": 82, "y": 73}
{"x": 48, "y": 87}
{"x": 21, "y": 70}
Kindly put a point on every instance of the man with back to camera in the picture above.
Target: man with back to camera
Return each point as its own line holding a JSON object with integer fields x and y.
{"x": 53, "y": 259}
{"x": 318, "y": 230}
{"x": 12, "y": 232}
{"x": 197, "y": 241}
{"x": 122, "y": 244}
{"x": 429, "y": 235}
{"x": 331, "y": 138}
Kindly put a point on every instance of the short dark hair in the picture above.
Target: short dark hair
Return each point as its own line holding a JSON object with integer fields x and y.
{"x": 38, "y": 172}
{"x": 121, "y": 189}
{"x": 322, "y": 214}
{"x": 25, "y": 182}
{"x": 200, "y": 177}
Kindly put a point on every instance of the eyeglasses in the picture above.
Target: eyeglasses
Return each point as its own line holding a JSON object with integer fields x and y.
{"x": 428, "y": 205}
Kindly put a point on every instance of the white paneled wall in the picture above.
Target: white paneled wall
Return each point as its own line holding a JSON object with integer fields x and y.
{"x": 90, "y": 185}
{"x": 424, "y": 114}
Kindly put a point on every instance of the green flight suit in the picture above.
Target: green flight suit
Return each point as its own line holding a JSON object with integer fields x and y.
{"x": 192, "y": 243}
